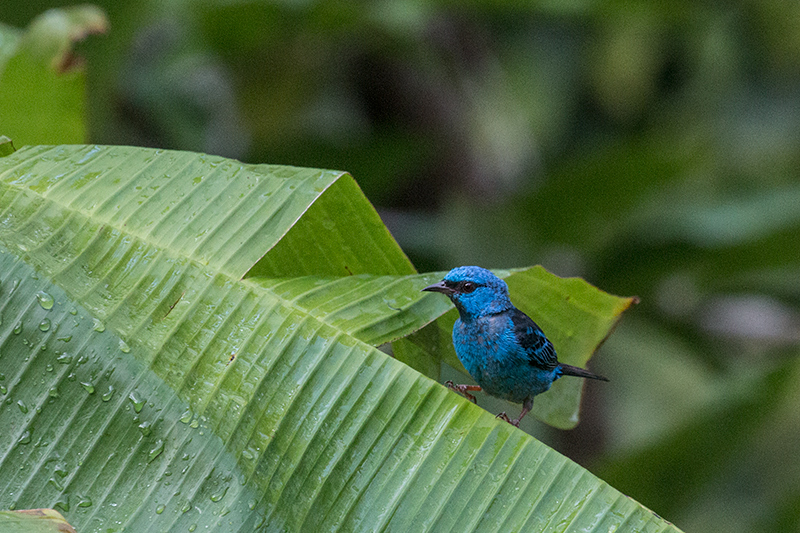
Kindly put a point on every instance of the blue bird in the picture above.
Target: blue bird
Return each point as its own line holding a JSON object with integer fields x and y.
{"x": 503, "y": 350}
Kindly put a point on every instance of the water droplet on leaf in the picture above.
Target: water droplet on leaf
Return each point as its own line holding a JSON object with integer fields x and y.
{"x": 145, "y": 428}
{"x": 63, "y": 503}
{"x": 61, "y": 469}
{"x": 217, "y": 496}
{"x": 155, "y": 451}
{"x": 138, "y": 403}
{"x": 107, "y": 396}
{"x": 45, "y": 300}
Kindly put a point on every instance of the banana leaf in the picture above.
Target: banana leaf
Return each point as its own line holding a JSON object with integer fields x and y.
{"x": 188, "y": 342}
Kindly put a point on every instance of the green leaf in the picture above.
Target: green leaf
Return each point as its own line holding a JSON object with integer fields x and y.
{"x": 373, "y": 309}
{"x": 577, "y": 319}
{"x": 149, "y": 387}
{"x": 42, "y": 93}
{"x": 217, "y": 211}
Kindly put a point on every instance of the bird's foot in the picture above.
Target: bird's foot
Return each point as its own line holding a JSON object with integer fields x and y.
{"x": 504, "y": 416}
{"x": 463, "y": 390}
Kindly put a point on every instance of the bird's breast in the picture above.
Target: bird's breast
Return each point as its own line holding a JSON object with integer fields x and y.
{"x": 482, "y": 346}
{"x": 491, "y": 354}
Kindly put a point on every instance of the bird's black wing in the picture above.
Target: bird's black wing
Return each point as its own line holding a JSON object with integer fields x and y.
{"x": 539, "y": 349}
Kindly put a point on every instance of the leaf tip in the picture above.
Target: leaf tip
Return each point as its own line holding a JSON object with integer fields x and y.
{"x": 6, "y": 146}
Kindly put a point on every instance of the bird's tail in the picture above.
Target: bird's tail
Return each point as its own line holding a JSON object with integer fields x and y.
{"x": 569, "y": 370}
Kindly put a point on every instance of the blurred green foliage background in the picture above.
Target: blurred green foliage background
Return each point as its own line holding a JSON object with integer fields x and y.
{"x": 651, "y": 148}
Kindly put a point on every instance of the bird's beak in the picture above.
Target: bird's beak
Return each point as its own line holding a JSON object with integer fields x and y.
{"x": 439, "y": 287}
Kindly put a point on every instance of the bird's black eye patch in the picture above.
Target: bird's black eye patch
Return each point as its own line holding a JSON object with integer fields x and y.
{"x": 467, "y": 287}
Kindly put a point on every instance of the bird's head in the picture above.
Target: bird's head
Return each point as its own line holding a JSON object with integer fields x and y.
{"x": 475, "y": 291}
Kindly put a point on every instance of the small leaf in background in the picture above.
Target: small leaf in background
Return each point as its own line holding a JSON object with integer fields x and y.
{"x": 42, "y": 83}
{"x": 6, "y": 146}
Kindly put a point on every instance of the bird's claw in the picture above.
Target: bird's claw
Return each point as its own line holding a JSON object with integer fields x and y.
{"x": 504, "y": 416}
{"x": 462, "y": 390}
